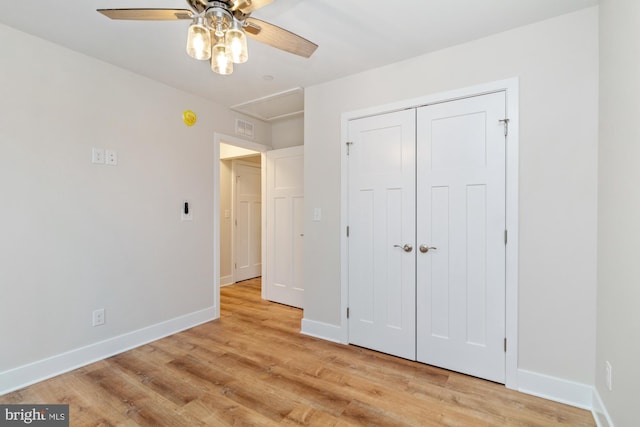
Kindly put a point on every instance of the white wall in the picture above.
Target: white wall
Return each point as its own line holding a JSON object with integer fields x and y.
{"x": 619, "y": 210}
{"x": 75, "y": 236}
{"x": 287, "y": 132}
{"x": 557, "y": 64}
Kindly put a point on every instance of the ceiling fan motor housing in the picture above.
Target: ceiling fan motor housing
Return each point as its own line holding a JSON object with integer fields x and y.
{"x": 218, "y": 17}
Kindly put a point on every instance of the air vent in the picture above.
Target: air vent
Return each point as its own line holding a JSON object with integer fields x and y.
{"x": 244, "y": 128}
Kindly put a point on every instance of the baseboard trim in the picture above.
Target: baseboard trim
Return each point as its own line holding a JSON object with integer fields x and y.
{"x": 226, "y": 280}
{"x": 556, "y": 389}
{"x": 323, "y": 331}
{"x": 23, "y": 376}
{"x": 599, "y": 411}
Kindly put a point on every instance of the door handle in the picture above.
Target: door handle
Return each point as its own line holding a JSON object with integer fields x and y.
{"x": 407, "y": 247}
{"x": 424, "y": 248}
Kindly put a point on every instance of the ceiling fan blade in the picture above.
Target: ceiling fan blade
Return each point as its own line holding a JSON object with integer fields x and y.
{"x": 147, "y": 14}
{"x": 248, "y": 6}
{"x": 198, "y": 5}
{"x": 279, "y": 37}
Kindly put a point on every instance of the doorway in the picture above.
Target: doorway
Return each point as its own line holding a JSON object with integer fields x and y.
{"x": 240, "y": 231}
{"x": 280, "y": 230}
{"x": 222, "y": 270}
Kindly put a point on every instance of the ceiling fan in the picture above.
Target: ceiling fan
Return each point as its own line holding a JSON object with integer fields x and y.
{"x": 218, "y": 30}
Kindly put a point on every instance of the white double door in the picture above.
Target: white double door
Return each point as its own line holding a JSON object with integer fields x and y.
{"x": 427, "y": 229}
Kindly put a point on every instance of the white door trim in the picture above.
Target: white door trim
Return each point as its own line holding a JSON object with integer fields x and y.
{"x": 511, "y": 87}
{"x": 232, "y": 140}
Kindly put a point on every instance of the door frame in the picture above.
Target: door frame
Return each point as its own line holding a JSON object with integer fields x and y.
{"x": 511, "y": 89}
{"x": 238, "y": 142}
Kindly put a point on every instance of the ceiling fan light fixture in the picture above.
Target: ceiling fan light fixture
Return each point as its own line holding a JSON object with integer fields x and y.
{"x": 220, "y": 28}
{"x": 199, "y": 40}
{"x": 236, "y": 41}
{"x": 221, "y": 61}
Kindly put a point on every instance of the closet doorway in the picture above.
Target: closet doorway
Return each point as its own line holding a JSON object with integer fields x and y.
{"x": 427, "y": 221}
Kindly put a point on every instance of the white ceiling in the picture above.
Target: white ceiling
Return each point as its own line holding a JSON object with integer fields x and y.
{"x": 353, "y": 35}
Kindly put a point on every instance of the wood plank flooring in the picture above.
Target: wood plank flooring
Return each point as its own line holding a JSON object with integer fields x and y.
{"x": 253, "y": 368}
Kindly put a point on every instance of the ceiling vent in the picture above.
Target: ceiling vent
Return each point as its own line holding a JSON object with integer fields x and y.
{"x": 244, "y": 128}
{"x": 274, "y": 107}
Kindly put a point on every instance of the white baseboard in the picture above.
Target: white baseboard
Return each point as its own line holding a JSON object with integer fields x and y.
{"x": 556, "y": 389}
{"x": 22, "y": 376}
{"x": 226, "y": 280}
{"x": 324, "y": 331}
{"x": 599, "y": 411}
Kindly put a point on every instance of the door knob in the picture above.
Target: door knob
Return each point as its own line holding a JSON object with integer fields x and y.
{"x": 407, "y": 247}
{"x": 424, "y": 248}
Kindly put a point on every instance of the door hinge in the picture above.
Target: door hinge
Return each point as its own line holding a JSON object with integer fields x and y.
{"x": 505, "y": 237}
{"x": 349, "y": 144}
{"x": 235, "y": 266}
{"x": 505, "y": 122}
{"x": 347, "y": 231}
{"x": 505, "y": 345}
{"x": 347, "y": 312}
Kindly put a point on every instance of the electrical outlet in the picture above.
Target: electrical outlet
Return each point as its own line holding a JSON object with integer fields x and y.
{"x": 111, "y": 157}
{"x": 98, "y": 317}
{"x": 97, "y": 156}
{"x": 609, "y": 371}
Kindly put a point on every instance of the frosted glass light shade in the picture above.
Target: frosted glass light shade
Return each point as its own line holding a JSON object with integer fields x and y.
{"x": 199, "y": 42}
{"x": 236, "y": 41}
{"x": 221, "y": 61}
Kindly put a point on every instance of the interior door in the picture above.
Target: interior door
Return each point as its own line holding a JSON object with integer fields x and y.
{"x": 461, "y": 217}
{"x": 248, "y": 222}
{"x": 284, "y": 226}
{"x": 382, "y": 233}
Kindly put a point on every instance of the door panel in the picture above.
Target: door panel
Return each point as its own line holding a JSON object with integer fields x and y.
{"x": 461, "y": 212}
{"x": 283, "y": 278}
{"x": 381, "y": 221}
{"x": 248, "y": 224}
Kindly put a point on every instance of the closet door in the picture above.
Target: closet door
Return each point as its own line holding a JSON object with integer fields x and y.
{"x": 381, "y": 241}
{"x": 460, "y": 236}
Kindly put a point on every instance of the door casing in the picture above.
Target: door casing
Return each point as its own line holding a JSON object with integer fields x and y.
{"x": 510, "y": 86}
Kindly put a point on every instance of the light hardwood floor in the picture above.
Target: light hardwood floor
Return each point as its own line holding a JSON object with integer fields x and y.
{"x": 253, "y": 368}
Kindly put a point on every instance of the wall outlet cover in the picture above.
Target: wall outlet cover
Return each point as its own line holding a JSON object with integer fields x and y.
{"x": 97, "y": 156}
{"x": 111, "y": 157}
{"x": 98, "y": 317}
